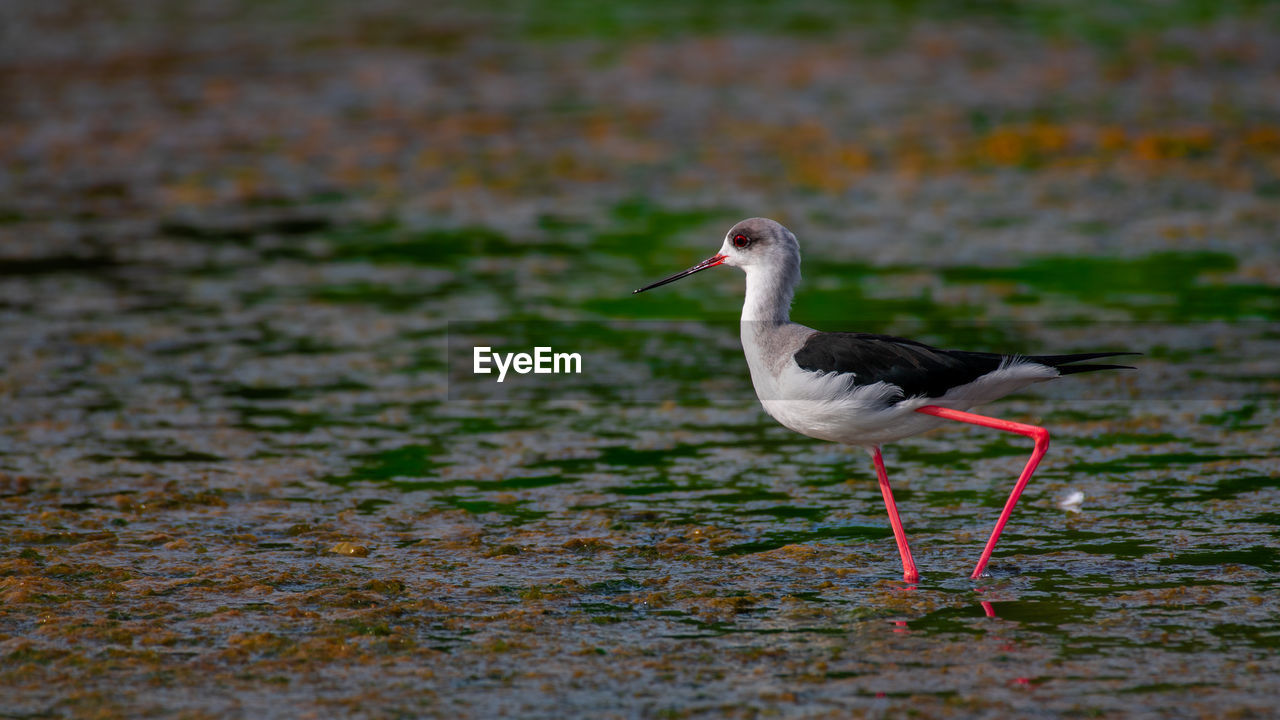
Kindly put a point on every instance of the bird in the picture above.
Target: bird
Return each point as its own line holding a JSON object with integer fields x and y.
{"x": 864, "y": 389}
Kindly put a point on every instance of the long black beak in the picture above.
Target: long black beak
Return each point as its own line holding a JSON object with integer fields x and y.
{"x": 710, "y": 262}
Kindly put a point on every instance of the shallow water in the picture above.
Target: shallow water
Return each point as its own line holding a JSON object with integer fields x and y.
{"x": 242, "y": 474}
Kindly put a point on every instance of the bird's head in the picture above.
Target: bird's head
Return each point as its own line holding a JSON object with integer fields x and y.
{"x": 752, "y": 244}
{"x": 759, "y": 243}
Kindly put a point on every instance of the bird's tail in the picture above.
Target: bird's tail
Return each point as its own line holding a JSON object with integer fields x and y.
{"x": 1064, "y": 363}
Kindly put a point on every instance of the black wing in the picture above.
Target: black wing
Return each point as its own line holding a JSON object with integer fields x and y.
{"x": 920, "y": 370}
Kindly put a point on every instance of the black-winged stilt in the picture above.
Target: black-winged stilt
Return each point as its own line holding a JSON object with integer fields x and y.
{"x": 867, "y": 390}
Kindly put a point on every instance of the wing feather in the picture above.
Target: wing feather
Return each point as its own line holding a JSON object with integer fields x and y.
{"x": 919, "y": 369}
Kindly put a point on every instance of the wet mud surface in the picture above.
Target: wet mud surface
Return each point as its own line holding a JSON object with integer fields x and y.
{"x": 238, "y": 476}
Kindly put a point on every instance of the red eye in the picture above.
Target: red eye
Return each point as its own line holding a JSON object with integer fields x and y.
{"x": 741, "y": 241}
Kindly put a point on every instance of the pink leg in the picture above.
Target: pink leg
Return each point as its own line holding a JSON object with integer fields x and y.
{"x": 908, "y": 565}
{"x": 1039, "y": 434}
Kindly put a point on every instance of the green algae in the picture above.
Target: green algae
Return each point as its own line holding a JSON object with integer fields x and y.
{"x": 1169, "y": 287}
{"x": 776, "y": 540}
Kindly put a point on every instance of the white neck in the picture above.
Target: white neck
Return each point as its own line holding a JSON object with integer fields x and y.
{"x": 769, "y": 292}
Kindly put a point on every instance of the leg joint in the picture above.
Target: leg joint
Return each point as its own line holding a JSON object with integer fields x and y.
{"x": 1040, "y": 435}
